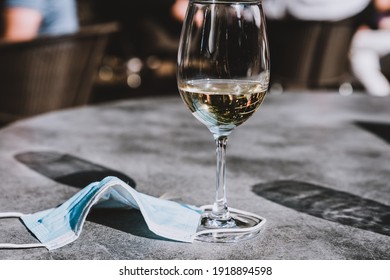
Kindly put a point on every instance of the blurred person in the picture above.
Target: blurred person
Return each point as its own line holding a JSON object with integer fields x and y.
{"x": 299, "y": 9}
{"x": 26, "y": 19}
{"x": 370, "y": 43}
{"x": 332, "y": 10}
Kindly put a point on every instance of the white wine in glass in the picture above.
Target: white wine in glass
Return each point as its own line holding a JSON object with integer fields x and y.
{"x": 223, "y": 76}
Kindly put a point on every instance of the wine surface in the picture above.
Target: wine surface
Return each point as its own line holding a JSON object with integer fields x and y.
{"x": 222, "y": 104}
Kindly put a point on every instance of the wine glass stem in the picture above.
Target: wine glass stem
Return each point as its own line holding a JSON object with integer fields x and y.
{"x": 220, "y": 209}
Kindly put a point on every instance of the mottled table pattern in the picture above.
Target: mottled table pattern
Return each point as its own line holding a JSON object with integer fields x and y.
{"x": 316, "y": 166}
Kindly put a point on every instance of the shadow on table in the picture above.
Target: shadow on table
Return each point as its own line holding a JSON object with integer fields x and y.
{"x": 77, "y": 172}
{"x": 129, "y": 221}
{"x": 382, "y": 130}
{"x": 68, "y": 169}
{"x": 329, "y": 204}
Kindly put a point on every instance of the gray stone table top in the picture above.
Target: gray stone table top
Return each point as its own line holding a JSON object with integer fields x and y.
{"x": 316, "y": 166}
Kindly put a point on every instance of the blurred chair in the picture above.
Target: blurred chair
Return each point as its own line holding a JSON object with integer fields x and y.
{"x": 309, "y": 54}
{"x": 50, "y": 73}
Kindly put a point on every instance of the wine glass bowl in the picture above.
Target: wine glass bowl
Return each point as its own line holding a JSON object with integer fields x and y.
{"x": 223, "y": 76}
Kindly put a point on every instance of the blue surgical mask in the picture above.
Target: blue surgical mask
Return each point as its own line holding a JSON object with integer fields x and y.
{"x": 60, "y": 226}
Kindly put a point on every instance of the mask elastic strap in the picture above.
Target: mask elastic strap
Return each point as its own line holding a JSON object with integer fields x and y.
{"x": 8, "y": 215}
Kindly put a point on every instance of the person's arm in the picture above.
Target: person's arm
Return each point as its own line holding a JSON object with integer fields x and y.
{"x": 382, "y": 5}
{"x": 179, "y": 9}
{"x": 383, "y": 8}
{"x": 21, "y": 23}
{"x": 384, "y": 23}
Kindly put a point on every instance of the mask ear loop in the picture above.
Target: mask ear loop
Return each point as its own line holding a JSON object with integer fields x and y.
{"x": 17, "y": 215}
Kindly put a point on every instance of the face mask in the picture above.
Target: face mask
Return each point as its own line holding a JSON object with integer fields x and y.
{"x": 59, "y": 226}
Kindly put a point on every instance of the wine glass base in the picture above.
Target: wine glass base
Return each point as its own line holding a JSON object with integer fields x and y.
{"x": 241, "y": 226}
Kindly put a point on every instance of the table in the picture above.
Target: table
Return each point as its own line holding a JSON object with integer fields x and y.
{"x": 315, "y": 165}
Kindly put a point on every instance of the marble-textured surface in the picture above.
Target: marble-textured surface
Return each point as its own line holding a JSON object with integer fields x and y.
{"x": 316, "y": 166}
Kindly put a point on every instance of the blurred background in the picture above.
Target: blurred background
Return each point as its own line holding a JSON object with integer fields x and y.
{"x": 310, "y": 51}
{"x": 141, "y": 58}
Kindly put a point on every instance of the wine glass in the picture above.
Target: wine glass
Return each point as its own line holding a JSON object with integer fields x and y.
{"x": 223, "y": 76}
